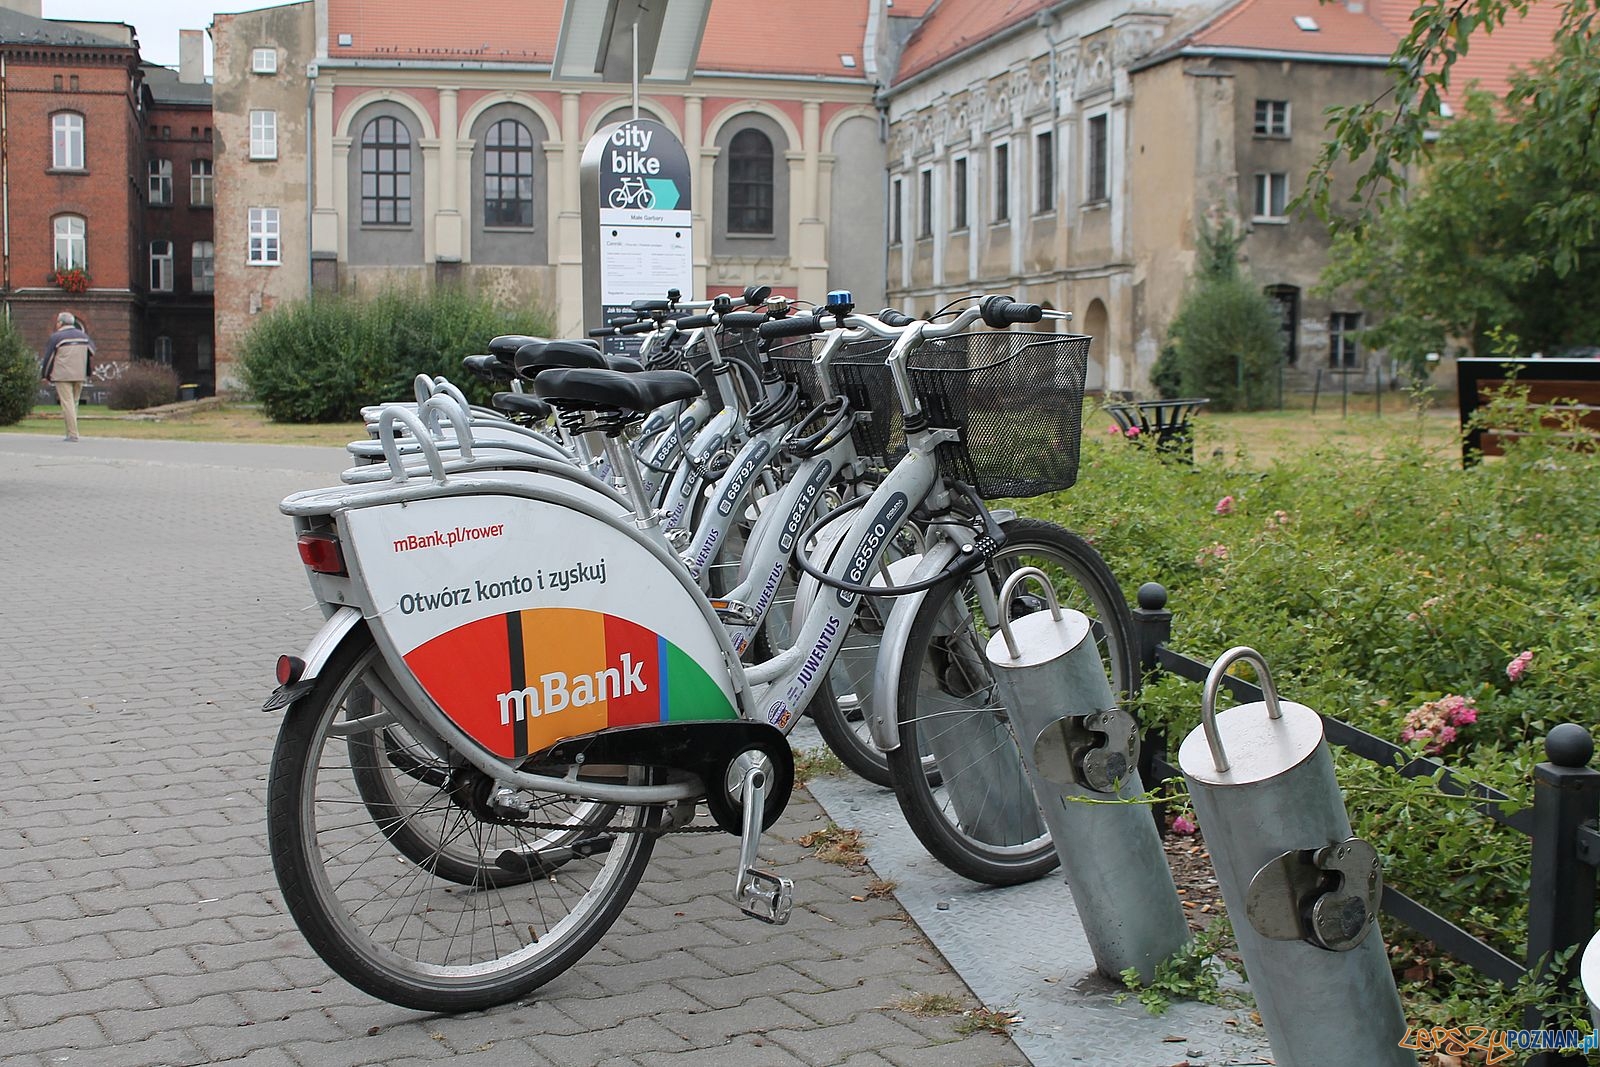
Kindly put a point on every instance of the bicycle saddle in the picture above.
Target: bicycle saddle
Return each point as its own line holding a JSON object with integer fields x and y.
{"x": 505, "y": 346}
{"x": 587, "y": 388}
{"x": 537, "y": 357}
{"x": 490, "y": 367}
{"x": 520, "y": 404}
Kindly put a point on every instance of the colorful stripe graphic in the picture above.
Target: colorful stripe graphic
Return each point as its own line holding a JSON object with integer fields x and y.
{"x": 522, "y": 681}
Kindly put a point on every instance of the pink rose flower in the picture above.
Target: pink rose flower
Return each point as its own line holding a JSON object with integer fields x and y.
{"x": 1225, "y": 506}
{"x": 1519, "y": 666}
{"x": 1464, "y": 717}
{"x": 1113, "y": 431}
{"x": 1184, "y": 825}
{"x": 1133, "y": 431}
{"x": 1282, "y": 517}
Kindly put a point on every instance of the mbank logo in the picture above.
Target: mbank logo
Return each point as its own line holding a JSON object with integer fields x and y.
{"x": 558, "y": 691}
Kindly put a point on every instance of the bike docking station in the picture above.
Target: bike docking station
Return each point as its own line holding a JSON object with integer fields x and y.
{"x": 1081, "y": 753}
{"x": 1303, "y": 892}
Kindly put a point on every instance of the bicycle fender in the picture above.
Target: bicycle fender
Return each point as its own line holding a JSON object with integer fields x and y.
{"x": 883, "y": 712}
{"x": 334, "y": 630}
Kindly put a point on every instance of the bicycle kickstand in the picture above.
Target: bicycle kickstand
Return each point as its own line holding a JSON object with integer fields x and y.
{"x": 759, "y": 894}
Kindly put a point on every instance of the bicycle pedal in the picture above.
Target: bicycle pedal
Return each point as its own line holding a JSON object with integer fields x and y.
{"x": 765, "y": 896}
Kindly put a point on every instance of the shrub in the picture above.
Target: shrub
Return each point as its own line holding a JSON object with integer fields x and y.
{"x": 323, "y": 359}
{"x": 142, "y": 384}
{"x": 1226, "y": 337}
{"x": 19, "y": 375}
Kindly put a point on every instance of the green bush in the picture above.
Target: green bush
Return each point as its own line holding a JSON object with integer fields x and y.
{"x": 1226, "y": 340}
{"x": 142, "y": 384}
{"x": 323, "y": 359}
{"x": 1374, "y": 585}
{"x": 19, "y": 375}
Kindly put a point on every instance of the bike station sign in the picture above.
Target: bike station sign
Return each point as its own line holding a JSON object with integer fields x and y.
{"x": 638, "y": 242}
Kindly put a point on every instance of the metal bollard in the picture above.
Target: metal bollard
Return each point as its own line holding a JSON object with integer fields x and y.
{"x": 1302, "y": 892}
{"x": 1080, "y": 748}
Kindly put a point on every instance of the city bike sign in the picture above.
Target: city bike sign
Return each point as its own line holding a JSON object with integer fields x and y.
{"x": 638, "y": 241}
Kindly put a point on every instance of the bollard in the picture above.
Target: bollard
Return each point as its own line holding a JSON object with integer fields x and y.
{"x": 1079, "y": 749}
{"x": 1302, "y": 892}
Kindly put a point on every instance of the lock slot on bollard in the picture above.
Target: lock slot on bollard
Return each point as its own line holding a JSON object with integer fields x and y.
{"x": 1081, "y": 754}
{"x": 1308, "y": 892}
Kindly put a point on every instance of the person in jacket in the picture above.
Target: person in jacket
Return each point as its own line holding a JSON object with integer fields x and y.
{"x": 67, "y": 361}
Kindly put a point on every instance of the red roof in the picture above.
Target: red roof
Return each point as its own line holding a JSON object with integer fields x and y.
{"x": 1491, "y": 57}
{"x": 740, "y": 35}
{"x": 1270, "y": 25}
{"x": 953, "y": 26}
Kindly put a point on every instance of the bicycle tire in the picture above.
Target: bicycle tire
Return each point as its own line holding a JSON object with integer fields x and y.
{"x": 396, "y": 929}
{"x": 978, "y": 815}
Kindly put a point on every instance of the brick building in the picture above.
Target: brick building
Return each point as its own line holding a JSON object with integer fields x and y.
{"x": 71, "y": 99}
{"x": 179, "y": 189}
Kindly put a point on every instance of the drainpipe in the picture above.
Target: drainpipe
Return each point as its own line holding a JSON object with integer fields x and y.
{"x": 5, "y": 189}
{"x": 311, "y": 177}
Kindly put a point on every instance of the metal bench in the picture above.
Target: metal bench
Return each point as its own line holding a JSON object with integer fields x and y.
{"x": 1166, "y": 422}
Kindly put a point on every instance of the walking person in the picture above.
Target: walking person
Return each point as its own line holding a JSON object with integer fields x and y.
{"x": 66, "y": 365}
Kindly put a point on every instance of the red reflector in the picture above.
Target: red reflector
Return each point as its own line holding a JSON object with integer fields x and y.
{"x": 290, "y": 668}
{"x": 321, "y": 553}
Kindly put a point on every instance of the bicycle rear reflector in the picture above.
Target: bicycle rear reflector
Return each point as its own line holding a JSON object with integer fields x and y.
{"x": 290, "y": 668}
{"x": 321, "y": 553}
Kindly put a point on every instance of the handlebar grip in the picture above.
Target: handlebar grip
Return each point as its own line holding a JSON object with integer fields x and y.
{"x": 743, "y": 320}
{"x": 604, "y": 331}
{"x": 891, "y": 317}
{"x": 1001, "y": 311}
{"x": 793, "y": 326}
{"x": 637, "y": 327}
{"x": 693, "y": 322}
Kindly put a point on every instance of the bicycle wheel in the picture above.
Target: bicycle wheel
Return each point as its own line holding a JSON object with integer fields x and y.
{"x": 977, "y": 815}
{"x": 437, "y": 902}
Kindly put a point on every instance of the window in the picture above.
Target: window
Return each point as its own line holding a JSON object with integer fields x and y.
{"x": 1272, "y": 118}
{"x": 1002, "y": 182}
{"x": 160, "y": 181}
{"x": 1099, "y": 183}
{"x": 750, "y": 183}
{"x": 925, "y": 204}
{"x": 264, "y": 60}
{"x": 67, "y": 135}
{"x": 264, "y": 247}
{"x": 161, "y": 266}
{"x": 958, "y": 198}
{"x": 263, "y": 135}
{"x": 508, "y": 175}
{"x": 200, "y": 183}
{"x": 386, "y": 173}
{"x": 1272, "y": 196}
{"x": 72, "y": 83}
{"x": 56, "y": 83}
{"x": 163, "y": 350}
{"x": 1287, "y": 300}
{"x": 896, "y": 210}
{"x": 71, "y": 248}
{"x": 202, "y": 352}
{"x": 203, "y": 266}
{"x": 1044, "y": 173}
{"x": 1342, "y": 349}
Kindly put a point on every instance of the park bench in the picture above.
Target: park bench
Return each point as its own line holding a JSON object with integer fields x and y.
{"x": 1166, "y": 422}
{"x": 1571, "y": 387}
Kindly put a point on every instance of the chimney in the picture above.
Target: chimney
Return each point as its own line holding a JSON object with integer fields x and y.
{"x": 26, "y": 7}
{"x": 191, "y": 57}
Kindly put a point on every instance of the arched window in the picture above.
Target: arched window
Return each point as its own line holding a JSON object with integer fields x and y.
{"x": 750, "y": 183}
{"x": 386, "y": 172}
{"x": 71, "y": 246}
{"x": 508, "y": 175}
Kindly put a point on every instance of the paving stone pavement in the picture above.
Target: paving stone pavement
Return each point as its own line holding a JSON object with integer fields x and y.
{"x": 145, "y": 590}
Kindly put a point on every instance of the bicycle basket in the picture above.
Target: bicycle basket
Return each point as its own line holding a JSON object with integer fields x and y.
{"x": 860, "y": 376}
{"x": 1017, "y": 399}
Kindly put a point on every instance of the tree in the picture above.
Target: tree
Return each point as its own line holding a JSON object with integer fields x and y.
{"x": 1392, "y": 136}
{"x": 1226, "y": 341}
{"x": 1491, "y": 240}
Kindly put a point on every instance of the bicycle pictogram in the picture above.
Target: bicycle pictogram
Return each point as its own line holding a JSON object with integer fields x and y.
{"x": 633, "y": 193}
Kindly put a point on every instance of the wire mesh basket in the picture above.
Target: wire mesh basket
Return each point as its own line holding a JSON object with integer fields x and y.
{"x": 1016, "y": 397}
{"x": 860, "y": 376}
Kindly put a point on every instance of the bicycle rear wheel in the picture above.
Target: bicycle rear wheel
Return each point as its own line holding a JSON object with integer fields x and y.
{"x": 431, "y": 898}
{"x": 958, "y": 774}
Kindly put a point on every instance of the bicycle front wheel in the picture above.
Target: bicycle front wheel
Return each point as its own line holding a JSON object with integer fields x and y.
{"x": 958, "y": 773}
{"x": 408, "y": 881}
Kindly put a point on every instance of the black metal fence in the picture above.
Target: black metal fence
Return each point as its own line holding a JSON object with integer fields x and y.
{"x": 1561, "y": 822}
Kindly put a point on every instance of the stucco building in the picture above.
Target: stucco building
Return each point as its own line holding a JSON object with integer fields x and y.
{"x": 365, "y": 143}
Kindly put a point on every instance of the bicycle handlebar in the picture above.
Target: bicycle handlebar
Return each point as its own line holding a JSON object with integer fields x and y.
{"x": 793, "y": 326}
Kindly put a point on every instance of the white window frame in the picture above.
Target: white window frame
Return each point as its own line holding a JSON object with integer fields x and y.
{"x": 263, "y": 134}
{"x": 1043, "y": 205}
{"x": 1275, "y": 109}
{"x": 66, "y": 140}
{"x": 161, "y": 350}
{"x": 264, "y": 61}
{"x": 960, "y": 194}
{"x": 897, "y": 200}
{"x": 1271, "y": 196}
{"x": 71, "y": 242}
{"x": 265, "y": 247}
{"x": 202, "y": 184}
{"x": 160, "y": 186}
{"x": 203, "y": 280}
{"x": 1341, "y": 324}
{"x": 1000, "y": 184}
{"x": 161, "y": 277}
